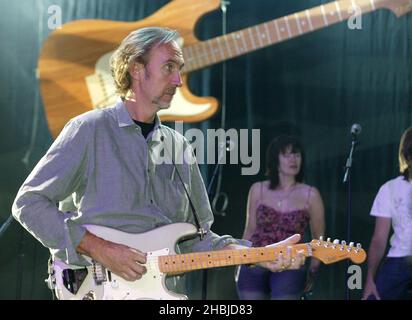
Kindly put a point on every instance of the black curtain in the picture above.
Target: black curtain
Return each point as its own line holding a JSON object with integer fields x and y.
{"x": 316, "y": 85}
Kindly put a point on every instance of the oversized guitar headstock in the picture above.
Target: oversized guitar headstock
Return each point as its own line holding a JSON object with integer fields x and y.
{"x": 329, "y": 252}
{"x": 398, "y": 7}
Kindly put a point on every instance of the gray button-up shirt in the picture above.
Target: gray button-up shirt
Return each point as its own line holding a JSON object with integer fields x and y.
{"x": 112, "y": 172}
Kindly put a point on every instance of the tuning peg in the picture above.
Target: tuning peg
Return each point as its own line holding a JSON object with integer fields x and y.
{"x": 343, "y": 242}
{"x": 326, "y": 243}
{"x": 321, "y": 238}
{"x": 336, "y": 241}
{"x": 351, "y": 244}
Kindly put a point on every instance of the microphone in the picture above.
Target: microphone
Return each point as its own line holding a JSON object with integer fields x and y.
{"x": 356, "y": 129}
{"x": 223, "y": 147}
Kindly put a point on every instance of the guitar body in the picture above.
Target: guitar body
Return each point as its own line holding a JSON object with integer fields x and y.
{"x": 70, "y": 54}
{"x": 157, "y": 242}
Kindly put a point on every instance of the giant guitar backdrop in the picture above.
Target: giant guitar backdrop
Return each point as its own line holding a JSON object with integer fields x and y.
{"x": 73, "y": 80}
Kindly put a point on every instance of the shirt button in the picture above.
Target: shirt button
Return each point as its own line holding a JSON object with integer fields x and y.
{"x": 151, "y": 201}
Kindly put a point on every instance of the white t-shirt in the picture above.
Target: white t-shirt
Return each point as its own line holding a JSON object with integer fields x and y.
{"x": 394, "y": 200}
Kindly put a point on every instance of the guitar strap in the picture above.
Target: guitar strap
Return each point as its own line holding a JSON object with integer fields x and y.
{"x": 201, "y": 232}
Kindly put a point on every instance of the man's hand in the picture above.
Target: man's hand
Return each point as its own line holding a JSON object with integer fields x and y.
{"x": 118, "y": 258}
{"x": 285, "y": 261}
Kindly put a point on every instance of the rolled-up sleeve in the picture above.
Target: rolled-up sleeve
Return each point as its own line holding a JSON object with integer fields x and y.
{"x": 57, "y": 175}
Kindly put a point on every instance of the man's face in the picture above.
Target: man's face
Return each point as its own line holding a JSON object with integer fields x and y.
{"x": 158, "y": 80}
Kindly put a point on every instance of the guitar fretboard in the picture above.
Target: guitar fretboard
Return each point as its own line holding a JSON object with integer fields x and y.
{"x": 237, "y": 43}
{"x": 221, "y": 258}
{"x": 325, "y": 251}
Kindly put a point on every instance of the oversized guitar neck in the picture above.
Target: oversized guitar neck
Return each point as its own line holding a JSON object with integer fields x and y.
{"x": 222, "y": 258}
{"x": 237, "y": 43}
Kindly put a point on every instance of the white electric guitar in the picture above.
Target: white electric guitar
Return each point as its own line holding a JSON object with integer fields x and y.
{"x": 95, "y": 282}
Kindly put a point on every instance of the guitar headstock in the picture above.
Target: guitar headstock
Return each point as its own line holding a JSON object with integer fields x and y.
{"x": 398, "y": 7}
{"x": 330, "y": 252}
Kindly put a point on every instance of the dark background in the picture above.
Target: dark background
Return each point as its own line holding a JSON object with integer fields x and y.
{"x": 317, "y": 85}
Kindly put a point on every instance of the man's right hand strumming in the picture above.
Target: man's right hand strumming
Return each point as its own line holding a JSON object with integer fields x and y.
{"x": 122, "y": 260}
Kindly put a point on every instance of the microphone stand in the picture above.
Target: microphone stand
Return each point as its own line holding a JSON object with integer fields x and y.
{"x": 221, "y": 151}
{"x": 223, "y": 7}
{"x": 209, "y": 188}
{"x": 347, "y": 180}
{"x": 349, "y": 161}
{"x": 6, "y": 224}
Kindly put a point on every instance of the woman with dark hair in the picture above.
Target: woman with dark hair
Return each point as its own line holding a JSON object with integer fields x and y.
{"x": 392, "y": 208}
{"x": 278, "y": 208}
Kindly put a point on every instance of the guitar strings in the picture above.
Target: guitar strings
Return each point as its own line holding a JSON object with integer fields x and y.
{"x": 232, "y": 257}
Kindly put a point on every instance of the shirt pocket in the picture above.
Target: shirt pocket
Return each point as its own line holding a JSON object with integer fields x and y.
{"x": 173, "y": 198}
{"x": 173, "y": 174}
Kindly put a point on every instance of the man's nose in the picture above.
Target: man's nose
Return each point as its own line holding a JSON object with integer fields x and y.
{"x": 177, "y": 79}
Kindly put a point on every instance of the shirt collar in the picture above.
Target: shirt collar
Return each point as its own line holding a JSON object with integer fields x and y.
{"x": 123, "y": 116}
{"x": 124, "y": 120}
{"x": 157, "y": 133}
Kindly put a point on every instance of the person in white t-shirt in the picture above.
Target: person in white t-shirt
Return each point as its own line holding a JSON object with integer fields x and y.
{"x": 392, "y": 207}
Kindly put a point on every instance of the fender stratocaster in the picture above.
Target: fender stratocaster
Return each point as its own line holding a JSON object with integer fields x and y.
{"x": 95, "y": 282}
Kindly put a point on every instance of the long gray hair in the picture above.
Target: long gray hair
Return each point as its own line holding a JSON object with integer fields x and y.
{"x": 135, "y": 48}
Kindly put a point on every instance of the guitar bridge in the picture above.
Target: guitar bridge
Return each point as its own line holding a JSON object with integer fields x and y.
{"x": 99, "y": 273}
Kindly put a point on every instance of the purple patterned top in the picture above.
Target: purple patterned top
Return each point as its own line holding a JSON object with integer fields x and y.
{"x": 273, "y": 226}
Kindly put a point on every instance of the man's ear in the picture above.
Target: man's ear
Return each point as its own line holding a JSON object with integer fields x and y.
{"x": 135, "y": 69}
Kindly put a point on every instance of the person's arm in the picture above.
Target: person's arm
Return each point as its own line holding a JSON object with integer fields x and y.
{"x": 284, "y": 261}
{"x": 317, "y": 229}
{"x": 376, "y": 252}
{"x": 212, "y": 241}
{"x": 118, "y": 258}
{"x": 317, "y": 222}
{"x": 250, "y": 225}
{"x": 57, "y": 175}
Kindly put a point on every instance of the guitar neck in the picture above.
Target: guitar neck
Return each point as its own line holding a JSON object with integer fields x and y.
{"x": 222, "y": 258}
{"x": 237, "y": 43}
